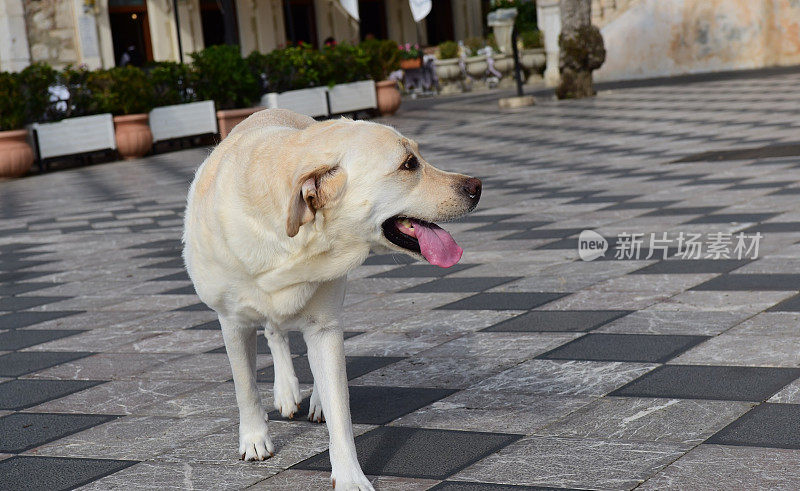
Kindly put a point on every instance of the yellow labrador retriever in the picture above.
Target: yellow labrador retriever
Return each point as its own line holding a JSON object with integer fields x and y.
{"x": 277, "y": 216}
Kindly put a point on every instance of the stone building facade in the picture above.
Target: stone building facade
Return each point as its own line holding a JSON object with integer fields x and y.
{"x": 96, "y": 32}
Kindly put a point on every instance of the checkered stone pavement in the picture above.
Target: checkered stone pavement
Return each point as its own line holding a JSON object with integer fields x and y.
{"x": 522, "y": 367}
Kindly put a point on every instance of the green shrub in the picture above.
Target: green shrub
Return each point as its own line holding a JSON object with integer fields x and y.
{"x": 473, "y": 45}
{"x": 36, "y": 80}
{"x": 383, "y": 57}
{"x": 12, "y": 113}
{"x": 294, "y": 67}
{"x": 225, "y": 77}
{"x": 259, "y": 66}
{"x": 172, "y": 83}
{"x": 448, "y": 49}
{"x": 531, "y": 39}
{"x": 120, "y": 90}
{"x": 80, "y": 101}
{"x": 343, "y": 63}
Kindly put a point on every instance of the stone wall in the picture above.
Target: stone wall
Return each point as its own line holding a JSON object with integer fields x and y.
{"x": 656, "y": 38}
{"x": 51, "y": 32}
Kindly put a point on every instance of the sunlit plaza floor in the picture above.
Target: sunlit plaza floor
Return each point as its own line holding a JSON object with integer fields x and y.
{"x": 522, "y": 366}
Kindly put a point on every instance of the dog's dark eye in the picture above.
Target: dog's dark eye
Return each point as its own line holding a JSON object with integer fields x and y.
{"x": 411, "y": 163}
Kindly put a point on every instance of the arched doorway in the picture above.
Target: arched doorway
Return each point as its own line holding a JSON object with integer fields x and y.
{"x": 130, "y": 31}
{"x": 218, "y": 18}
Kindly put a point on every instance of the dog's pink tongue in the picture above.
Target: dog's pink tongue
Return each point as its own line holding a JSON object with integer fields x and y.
{"x": 437, "y": 245}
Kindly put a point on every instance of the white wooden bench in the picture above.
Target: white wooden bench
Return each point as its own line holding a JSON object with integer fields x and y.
{"x": 182, "y": 120}
{"x": 74, "y": 136}
{"x": 352, "y": 97}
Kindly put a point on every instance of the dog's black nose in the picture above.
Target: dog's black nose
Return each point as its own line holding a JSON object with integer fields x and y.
{"x": 472, "y": 188}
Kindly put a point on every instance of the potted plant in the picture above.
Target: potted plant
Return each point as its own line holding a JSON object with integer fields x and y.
{"x": 16, "y": 155}
{"x": 410, "y": 56}
{"x": 383, "y": 58}
{"x": 125, "y": 92}
{"x": 24, "y": 99}
{"x": 222, "y": 75}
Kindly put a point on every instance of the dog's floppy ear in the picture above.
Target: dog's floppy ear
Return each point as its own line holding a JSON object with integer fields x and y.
{"x": 312, "y": 191}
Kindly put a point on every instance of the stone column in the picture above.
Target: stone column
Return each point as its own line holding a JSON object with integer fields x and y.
{"x": 548, "y": 13}
{"x": 14, "y": 52}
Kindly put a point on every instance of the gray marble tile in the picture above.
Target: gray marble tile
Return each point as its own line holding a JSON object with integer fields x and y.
{"x": 585, "y": 378}
{"x": 105, "y": 366}
{"x": 596, "y": 300}
{"x": 443, "y": 372}
{"x": 291, "y": 480}
{"x": 674, "y": 322}
{"x": 769, "y": 324}
{"x": 118, "y": 397}
{"x": 181, "y": 475}
{"x": 730, "y": 467}
{"x": 134, "y": 437}
{"x": 511, "y": 346}
{"x": 744, "y": 302}
{"x": 754, "y": 351}
{"x": 572, "y": 463}
{"x": 645, "y": 419}
{"x": 495, "y": 411}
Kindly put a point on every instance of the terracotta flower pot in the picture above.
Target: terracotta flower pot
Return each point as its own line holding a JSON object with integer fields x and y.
{"x": 134, "y": 138}
{"x": 411, "y": 64}
{"x": 388, "y": 97}
{"x": 16, "y": 154}
{"x": 228, "y": 118}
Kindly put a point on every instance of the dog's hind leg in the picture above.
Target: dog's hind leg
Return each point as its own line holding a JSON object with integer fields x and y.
{"x": 286, "y": 389}
{"x": 240, "y": 343}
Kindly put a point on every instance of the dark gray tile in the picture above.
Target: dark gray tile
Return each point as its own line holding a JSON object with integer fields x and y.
{"x": 422, "y": 271}
{"x": 501, "y": 226}
{"x": 558, "y": 320}
{"x": 18, "y": 339}
{"x": 791, "y": 304}
{"x": 15, "y": 320}
{"x": 482, "y": 486}
{"x": 460, "y": 284}
{"x": 22, "y": 303}
{"x": 543, "y": 233}
{"x": 183, "y": 290}
{"x": 483, "y": 218}
{"x": 15, "y": 276}
{"x": 176, "y": 263}
{"x": 693, "y": 266}
{"x": 55, "y": 473}
{"x": 654, "y": 348}
{"x": 22, "y": 287}
{"x": 22, "y": 362}
{"x": 773, "y": 227}
{"x": 22, "y": 431}
{"x": 761, "y": 185}
{"x": 751, "y": 282}
{"x": 197, "y": 307}
{"x": 710, "y": 382}
{"x": 416, "y": 452}
{"x": 210, "y": 325}
{"x": 766, "y": 425}
{"x": 733, "y": 218}
{"x": 635, "y": 205}
{"x": 379, "y": 405}
{"x": 388, "y": 260}
{"x": 23, "y": 393}
{"x": 685, "y": 210}
{"x": 356, "y": 367}
{"x": 179, "y": 276}
{"x": 602, "y": 199}
{"x": 159, "y": 244}
{"x": 503, "y": 301}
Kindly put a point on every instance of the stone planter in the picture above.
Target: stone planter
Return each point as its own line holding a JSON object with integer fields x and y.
{"x": 16, "y": 154}
{"x": 476, "y": 66}
{"x": 388, "y": 97}
{"x": 449, "y": 75}
{"x": 533, "y": 59}
{"x": 502, "y": 23}
{"x": 228, "y": 118}
{"x": 134, "y": 138}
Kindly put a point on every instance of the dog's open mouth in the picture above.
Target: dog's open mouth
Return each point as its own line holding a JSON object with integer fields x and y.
{"x": 432, "y": 241}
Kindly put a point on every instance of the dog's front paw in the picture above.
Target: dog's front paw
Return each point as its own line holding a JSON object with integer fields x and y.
{"x": 315, "y": 409}
{"x": 255, "y": 443}
{"x": 287, "y": 396}
{"x": 357, "y": 483}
